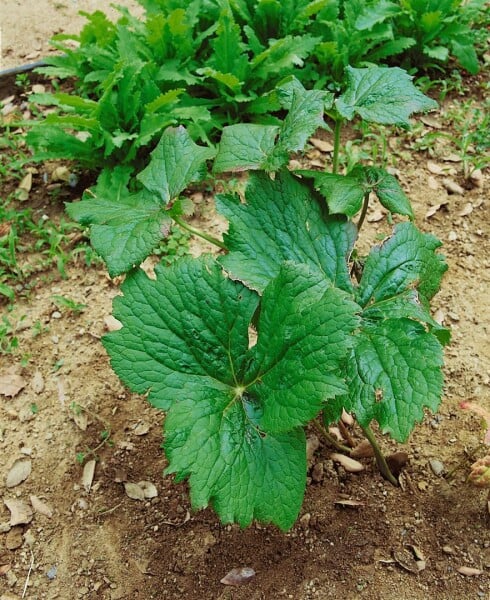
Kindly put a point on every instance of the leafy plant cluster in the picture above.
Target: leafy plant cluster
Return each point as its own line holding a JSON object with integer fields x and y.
{"x": 205, "y": 64}
{"x": 331, "y": 332}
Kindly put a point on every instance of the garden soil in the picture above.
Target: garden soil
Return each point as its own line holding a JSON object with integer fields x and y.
{"x": 357, "y": 536}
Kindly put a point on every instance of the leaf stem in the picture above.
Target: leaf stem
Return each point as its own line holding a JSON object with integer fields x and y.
{"x": 380, "y": 459}
{"x": 329, "y": 437}
{"x": 336, "y": 145}
{"x": 199, "y": 233}
{"x": 362, "y": 216}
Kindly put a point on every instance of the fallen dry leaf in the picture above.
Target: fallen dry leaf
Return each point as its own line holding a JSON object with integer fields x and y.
{"x": 375, "y": 216}
{"x": 19, "y": 472}
{"x": 396, "y": 462}
{"x": 11, "y": 383}
{"x": 20, "y": 512}
{"x": 24, "y": 187}
{"x": 41, "y": 507}
{"x": 312, "y": 445}
{"x": 434, "y": 209}
{"x": 470, "y": 571}
{"x": 149, "y": 489}
{"x": 111, "y": 323}
{"x": 347, "y": 418}
{"x": 141, "y": 428}
{"x": 88, "y": 475}
{"x": 14, "y": 538}
{"x": 349, "y": 503}
{"x": 134, "y": 491}
{"x": 349, "y": 464}
{"x": 455, "y": 158}
{"x": 452, "y": 187}
{"x": 238, "y": 576}
{"x": 430, "y": 121}
{"x": 322, "y": 145}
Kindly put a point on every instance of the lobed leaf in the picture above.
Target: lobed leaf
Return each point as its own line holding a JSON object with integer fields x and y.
{"x": 406, "y": 259}
{"x": 125, "y": 227}
{"x": 282, "y": 221}
{"x": 382, "y": 95}
{"x": 394, "y": 371}
{"x": 175, "y": 162}
{"x": 234, "y": 413}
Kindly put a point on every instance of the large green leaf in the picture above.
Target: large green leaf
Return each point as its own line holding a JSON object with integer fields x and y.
{"x": 234, "y": 413}
{"x": 175, "y": 162}
{"x": 406, "y": 259}
{"x": 282, "y": 221}
{"x": 245, "y": 146}
{"x": 248, "y": 146}
{"x": 125, "y": 227}
{"x": 302, "y": 340}
{"x": 344, "y": 193}
{"x": 393, "y": 373}
{"x": 382, "y": 95}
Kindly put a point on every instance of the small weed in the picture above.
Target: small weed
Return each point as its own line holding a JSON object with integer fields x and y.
{"x": 174, "y": 246}
{"x": 71, "y": 306}
{"x": 57, "y": 365}
{"x": 38, "y": 328}
{"x": 104, "y": 435}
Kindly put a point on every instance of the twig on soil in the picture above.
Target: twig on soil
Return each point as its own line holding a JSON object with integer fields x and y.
{"x": 28, "y": 576}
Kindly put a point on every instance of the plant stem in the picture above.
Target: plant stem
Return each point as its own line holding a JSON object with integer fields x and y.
{"x": 336, "y": 145}
{"x": 329, "y": 437}
{"x": 365, "y": 205}
{"x": 199, "y": 233}
{"x": 380, "y": 459}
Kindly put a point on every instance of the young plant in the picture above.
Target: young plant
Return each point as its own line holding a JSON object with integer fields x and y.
{"x": 244, "y": 350}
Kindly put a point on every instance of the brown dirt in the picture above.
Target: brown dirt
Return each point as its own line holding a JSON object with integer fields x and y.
{"x": 102, "y": 544}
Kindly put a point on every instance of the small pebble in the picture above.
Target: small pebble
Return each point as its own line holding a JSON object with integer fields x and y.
{"x": 56, "y": 314}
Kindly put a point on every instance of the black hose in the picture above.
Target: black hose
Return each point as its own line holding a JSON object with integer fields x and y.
{"x": 22, "y": 68}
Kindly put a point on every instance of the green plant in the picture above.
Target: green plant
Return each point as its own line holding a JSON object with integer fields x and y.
{"x": 69, "y": 305}
{"x": 440, "y": 29}
{"x": 244, "y": 350}
{"x": 80, "y": 415}
{"x": 206, "y": 64}
{"x": 9, "y": 341}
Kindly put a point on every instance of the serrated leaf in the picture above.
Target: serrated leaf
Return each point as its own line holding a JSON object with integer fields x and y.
{"x": 389, "y": 192}
{"x": 382, "y": 95}
{"x": 302, "y": 340}
{"x": 393, "y": 373}
{"x": 198, "y": 316}
{"x": 243, "y": 472}
{"x": 175, "y": 162}
{"x": 184, "y": 340}
{"x": 282, "y": 221}
{"x": 245, "y": 146}
{"x": 406, "y": 259}
{"x": 376, "y": 13}
{"x": 466, "y": 55}
{"x": 125, "y": 227}
{"x": 283, "y": 54}
{"x": 343, "y": 193}
{"x": 305, "y": 116}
